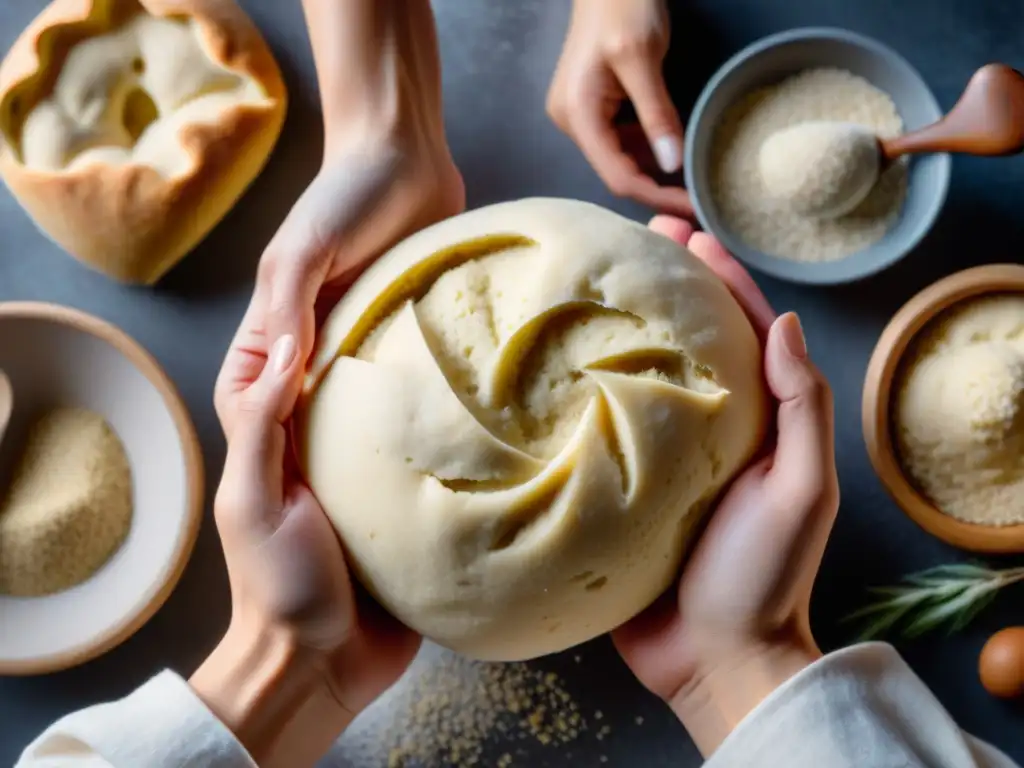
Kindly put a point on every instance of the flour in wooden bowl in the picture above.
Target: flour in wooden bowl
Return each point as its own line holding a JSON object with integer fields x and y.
{"x": 69, "y": 505}
{"x": 959, "y": 411}
{"x": 758, "y": 217}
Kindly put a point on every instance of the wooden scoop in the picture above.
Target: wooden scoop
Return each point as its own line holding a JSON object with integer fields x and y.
{"x": 988, "y": 120}
{"x": 6, "y": 403}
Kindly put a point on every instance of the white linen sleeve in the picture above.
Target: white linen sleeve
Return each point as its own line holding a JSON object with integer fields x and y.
{"x": 162, "y": 724}
{"x": 858, "y": 707}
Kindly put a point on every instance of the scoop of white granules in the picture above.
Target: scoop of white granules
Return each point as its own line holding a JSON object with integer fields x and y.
{"x": 749, "y": 209}
{"x": 69, "y": 505}
{"x": 820, "y": 168}
{"x": 959, "y": 413}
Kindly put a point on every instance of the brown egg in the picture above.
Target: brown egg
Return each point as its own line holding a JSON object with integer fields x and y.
{"x": 1001, "y": 664}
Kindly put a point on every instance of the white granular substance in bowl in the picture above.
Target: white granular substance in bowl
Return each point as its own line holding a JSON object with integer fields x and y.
{"x": 767, "y": 224}
{"x": 959, "y": 411}
{"x": 69, "y": 505}
{"x": 450, "y": 711}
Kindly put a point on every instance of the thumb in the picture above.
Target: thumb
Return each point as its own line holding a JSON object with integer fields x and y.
{"x": 302, "y": 255}
{"x": 641, "y": 77}
{"x": 803, "y": 469}
{"x": 293, "y": 292}
{"x": 253, "y": 480}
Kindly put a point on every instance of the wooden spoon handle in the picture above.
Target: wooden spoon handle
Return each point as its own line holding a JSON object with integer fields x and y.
{"x": 987, "y": 120}
{"x": 6, "y": 403}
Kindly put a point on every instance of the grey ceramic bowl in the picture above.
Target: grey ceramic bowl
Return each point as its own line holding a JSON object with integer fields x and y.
{"x": 775, "y": 58}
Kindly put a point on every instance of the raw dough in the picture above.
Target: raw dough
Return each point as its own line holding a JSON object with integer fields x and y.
{"x": 517, "y": 418}
{"x": 960, "y": 412}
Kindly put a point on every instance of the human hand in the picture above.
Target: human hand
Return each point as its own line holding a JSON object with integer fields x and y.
{"x": 301, "y": 657}
{"x": 738, "y": 625}
{"x": 613, "y": 52}
{"x": 387, "y": 172}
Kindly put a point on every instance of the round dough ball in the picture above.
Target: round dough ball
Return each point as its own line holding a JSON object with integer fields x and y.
{"x": 517, "y": 418}
{"x": 960, "y": 412}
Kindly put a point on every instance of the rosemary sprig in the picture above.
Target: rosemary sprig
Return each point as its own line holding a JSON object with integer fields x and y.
{"x": 950, "y": 595}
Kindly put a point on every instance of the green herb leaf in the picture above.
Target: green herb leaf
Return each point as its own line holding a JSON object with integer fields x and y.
{"x": 939, "y": 612}
{"x": 951, "y": 595}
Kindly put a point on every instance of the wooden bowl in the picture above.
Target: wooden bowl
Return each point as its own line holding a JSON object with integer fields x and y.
{"x": 877, "y": 400}
{"x": 56, "y": 356}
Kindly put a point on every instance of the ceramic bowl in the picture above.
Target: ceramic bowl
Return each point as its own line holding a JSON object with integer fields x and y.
{"x": 55, "y": 356}
{"x": 773, "y": 59}
{"x": 878, "y": 395}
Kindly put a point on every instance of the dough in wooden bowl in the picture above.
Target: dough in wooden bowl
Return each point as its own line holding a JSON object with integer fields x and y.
{"x": 129, "y": 128}
{"x": 518, "y": 418}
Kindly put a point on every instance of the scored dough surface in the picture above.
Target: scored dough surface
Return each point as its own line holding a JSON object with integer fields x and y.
{"x": 517, "y": 418}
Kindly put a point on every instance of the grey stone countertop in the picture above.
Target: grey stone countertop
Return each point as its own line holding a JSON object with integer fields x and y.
{"x": 498, "y": 58}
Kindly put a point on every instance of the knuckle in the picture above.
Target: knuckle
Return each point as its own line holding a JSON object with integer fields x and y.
{"x": 235, "y": 503}
{"x": 283, "y": 279}
{"x": 819, "y": 394}
{"x": 811, "y": 490}
{"x": 619, "y": 186}
{"x": 801, "y": 494}
{"x": 661, "y": 119}
{"x": 627, "y": 47}
{"x": 831, "y": 493}
{"x": 266, "y": 269}
{"x": 555, "y": 108}
{"x": 815, "y": 394}
{"x": 220, "y": 406}
{"x": 226, "y": 504}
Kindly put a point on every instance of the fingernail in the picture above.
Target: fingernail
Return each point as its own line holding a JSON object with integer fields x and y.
{"x": 793, "y": 336}
{"x": 668, "y": 151}
{"x": 283, "y": 353}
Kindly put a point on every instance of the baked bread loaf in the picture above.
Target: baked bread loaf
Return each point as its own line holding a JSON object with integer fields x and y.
{"x": 129, "y": 128}
{"x": 517, "y": 418}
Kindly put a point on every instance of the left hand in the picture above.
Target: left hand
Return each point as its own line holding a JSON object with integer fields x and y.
{"x": 302, "y": 657}
{"x": 366, "y": 197}
{"x": 613, "y": 52}
{"x": 387, "y": 172}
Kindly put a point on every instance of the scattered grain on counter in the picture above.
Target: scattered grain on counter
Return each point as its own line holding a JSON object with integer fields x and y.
{"x": 767, "y": 224}
{"x": 450, "y": 711}
{"x": 69, "y": 505}
{"x": 959, "y": 411}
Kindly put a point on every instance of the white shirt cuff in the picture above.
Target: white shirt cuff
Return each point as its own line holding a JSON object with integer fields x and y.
{"x": 162, "y": 724}
{"x": 857, "y": 707}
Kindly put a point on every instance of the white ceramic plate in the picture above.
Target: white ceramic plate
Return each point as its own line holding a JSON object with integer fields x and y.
{"x": 56, "y": 356}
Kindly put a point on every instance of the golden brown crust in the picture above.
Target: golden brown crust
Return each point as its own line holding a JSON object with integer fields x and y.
{"x": 128, "y": 221}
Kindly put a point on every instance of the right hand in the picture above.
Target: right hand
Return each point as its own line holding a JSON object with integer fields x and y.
{"x": 737, "y": 627}
{"x": 613, "y": 53}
